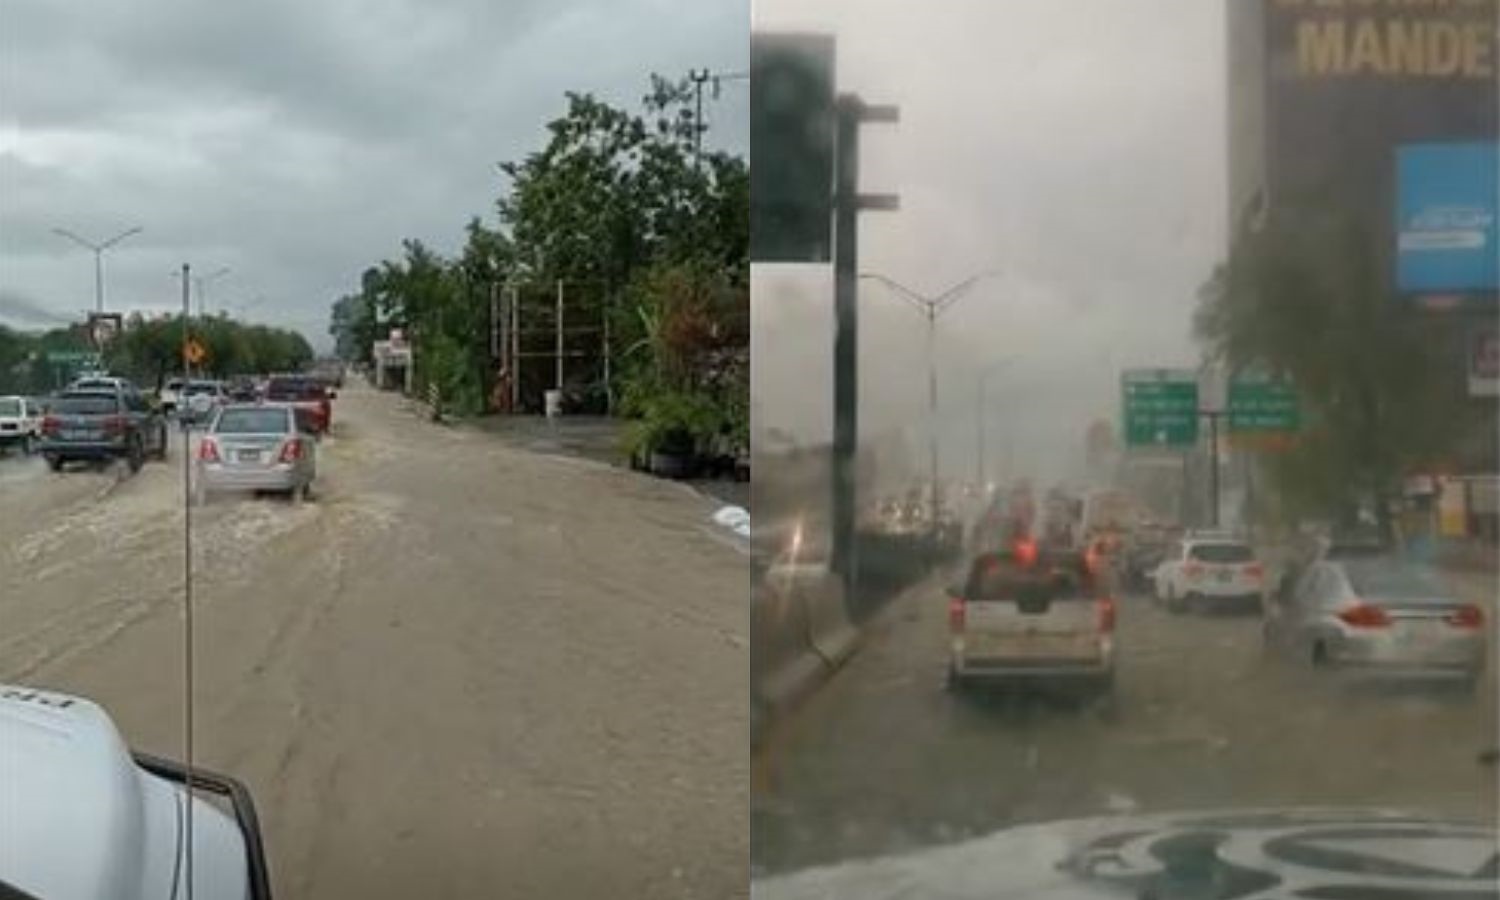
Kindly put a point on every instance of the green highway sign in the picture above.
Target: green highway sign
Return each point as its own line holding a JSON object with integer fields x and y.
{"x": 72, "y": 357}
{"x": 1259, "y": 404}
{"x": 1160, "y": 407}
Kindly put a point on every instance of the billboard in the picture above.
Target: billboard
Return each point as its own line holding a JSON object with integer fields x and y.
{"x": 1447, "y": 199}
{"x": 1347, "y": 82}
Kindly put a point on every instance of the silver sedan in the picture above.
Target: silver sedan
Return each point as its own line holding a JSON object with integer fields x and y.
{"x": 1380, "y": 615}
{"x": 255, "y": 447}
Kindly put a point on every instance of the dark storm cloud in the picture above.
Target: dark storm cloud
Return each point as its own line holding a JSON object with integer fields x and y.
{"x": 298, "y": 142}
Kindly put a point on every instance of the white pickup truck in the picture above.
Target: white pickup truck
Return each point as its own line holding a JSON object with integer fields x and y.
{"x": 20, "y": 422}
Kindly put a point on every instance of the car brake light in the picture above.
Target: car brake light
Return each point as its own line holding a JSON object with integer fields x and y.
{"x": 1107, "y": 614}
{"x": 1363, "y": 615}
{"x": 208, "y": 450}
{"x": 1255, "y": 570}
{"x": 1025, "y": 551}
{"x": 291, "y": 451}
{"x": 956, "y": 613}
{"x": 51, "y": 425}
{"x": 1192, "y": 571}
{"x": 1467, "y": 616}
{"x": 114, "y": 425}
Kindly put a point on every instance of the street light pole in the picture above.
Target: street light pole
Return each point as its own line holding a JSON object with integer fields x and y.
{"x": 984, "y": 378}
{"x": 201, "y": 282}
{"x": 931, "y": 308}
{"x": 98, "y": 250}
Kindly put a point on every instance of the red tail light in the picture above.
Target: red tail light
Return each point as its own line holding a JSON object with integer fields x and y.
{"x": 1468, "y": 616}
{"x": 1192, "y": 571}
{"x": 1107, "y": 614}
{"x": 1364, "y": 615}
{"x": 51, "y": 425}
{"x": 956, "y": 613}
{"x": 208, "y": 450}
{"x": 291, "y": 451}
{"x": 1255, "y": 570}
{"x": 1025, "y": 551}
{"x": 114, "y": 425}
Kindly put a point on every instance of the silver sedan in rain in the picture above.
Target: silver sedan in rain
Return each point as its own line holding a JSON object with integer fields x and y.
{"x": 1378, "y": 614}
{"x": 252, "y": 447}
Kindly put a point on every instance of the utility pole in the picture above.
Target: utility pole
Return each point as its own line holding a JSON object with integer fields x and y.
{"x": 1213, "y": 417}
{"x": 559, "y": 379}
{"x": 494, "y": 322}
{"x": 515, "y": 349}
{"x": 700, "y": 77}
{"x": 984, "y": 378}
{"x": 98, "y": 251}
{"x": 201, "y": 282}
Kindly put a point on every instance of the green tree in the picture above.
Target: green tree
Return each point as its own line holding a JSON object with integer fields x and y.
{"x": 1378, "y": 385}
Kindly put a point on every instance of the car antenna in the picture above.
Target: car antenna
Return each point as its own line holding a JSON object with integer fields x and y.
{"x": 187, "y": 588}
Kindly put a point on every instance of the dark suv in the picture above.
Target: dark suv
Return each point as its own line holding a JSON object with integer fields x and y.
{"x": 101, "y": 425}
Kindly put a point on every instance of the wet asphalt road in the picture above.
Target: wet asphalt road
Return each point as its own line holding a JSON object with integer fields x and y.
{"x": 464, "y": 670}
{"x": 884, "y": 759}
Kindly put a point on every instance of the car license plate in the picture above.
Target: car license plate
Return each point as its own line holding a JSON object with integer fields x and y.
{"x": 74, "y": 435}
{"x": 1225, "y": 576}
{"x": 248, "y": 456}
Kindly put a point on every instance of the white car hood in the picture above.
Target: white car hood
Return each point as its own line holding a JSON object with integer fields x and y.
{"x": 1239, "y": 855}
{"x": 79, "y": 819}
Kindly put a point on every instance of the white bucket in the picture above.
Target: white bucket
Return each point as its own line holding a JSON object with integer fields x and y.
{"x": 552, "y": 402}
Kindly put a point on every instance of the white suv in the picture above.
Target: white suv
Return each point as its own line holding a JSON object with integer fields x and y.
{"x": 1210, "y": 573}
{"x": 20, "y": 422}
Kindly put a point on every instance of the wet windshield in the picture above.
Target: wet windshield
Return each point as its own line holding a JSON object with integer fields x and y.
{"x": 1178, "y": 284}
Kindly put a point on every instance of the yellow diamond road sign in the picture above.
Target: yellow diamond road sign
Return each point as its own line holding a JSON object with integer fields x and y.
{"x": 194, "y": 352}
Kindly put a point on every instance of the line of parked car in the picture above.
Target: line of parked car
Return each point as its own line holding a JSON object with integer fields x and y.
{"x": 259, "y": 434}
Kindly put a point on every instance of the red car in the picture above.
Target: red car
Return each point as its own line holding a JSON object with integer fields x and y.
{"x": 312, "y": 400}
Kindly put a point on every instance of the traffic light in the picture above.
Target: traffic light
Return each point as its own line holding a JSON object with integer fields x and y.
{"x": 791, "y": 147}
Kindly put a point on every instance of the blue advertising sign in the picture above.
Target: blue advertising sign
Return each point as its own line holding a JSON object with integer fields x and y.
{"x": 1447, "y": 201}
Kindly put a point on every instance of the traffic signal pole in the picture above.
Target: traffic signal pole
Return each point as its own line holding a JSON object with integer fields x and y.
{"x": 850, "y": 113}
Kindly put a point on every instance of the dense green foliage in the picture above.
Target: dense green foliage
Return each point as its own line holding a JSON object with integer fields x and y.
{"x": 617, "y": 207}
{"x": 1380, "y": 385}
{"x": 148, "y": 352}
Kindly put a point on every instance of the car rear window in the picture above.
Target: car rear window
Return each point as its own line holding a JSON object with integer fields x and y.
{"x": 1221, "y": 553}
{"x": 1003, "y": 580}
{"x": 294, "y": 390}
{"x": 174, "y": 384}
{"x": 202, "y": 387}
{"x": 86, "y": 405}
{"x": 1385, "y": 579}
{"x": 10, "y": 407}
{"x": 252, "y": 421}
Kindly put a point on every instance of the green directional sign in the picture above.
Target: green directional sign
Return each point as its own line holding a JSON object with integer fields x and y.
{"x": 1259, "y": 405}
{"x": 1160, "y": 407}
{"x": 72, "y": 357}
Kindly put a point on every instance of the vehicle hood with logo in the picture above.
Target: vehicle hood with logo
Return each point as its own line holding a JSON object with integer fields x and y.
{"x": 1240, "y": 855}
{"x": 84, "y": 818}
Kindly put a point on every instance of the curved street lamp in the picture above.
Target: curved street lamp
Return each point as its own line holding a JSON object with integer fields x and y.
{"x": 98, "y": 251}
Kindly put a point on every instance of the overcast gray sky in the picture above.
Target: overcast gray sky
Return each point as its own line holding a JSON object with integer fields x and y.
{"x": 297, "y": 142}
{"x": 1077, "y": 147}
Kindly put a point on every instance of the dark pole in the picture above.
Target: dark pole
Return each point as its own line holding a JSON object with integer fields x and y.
{"x": 698, "y": 77}
{"x": 845, "y": 337}
{"x": 187, "y": 581}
